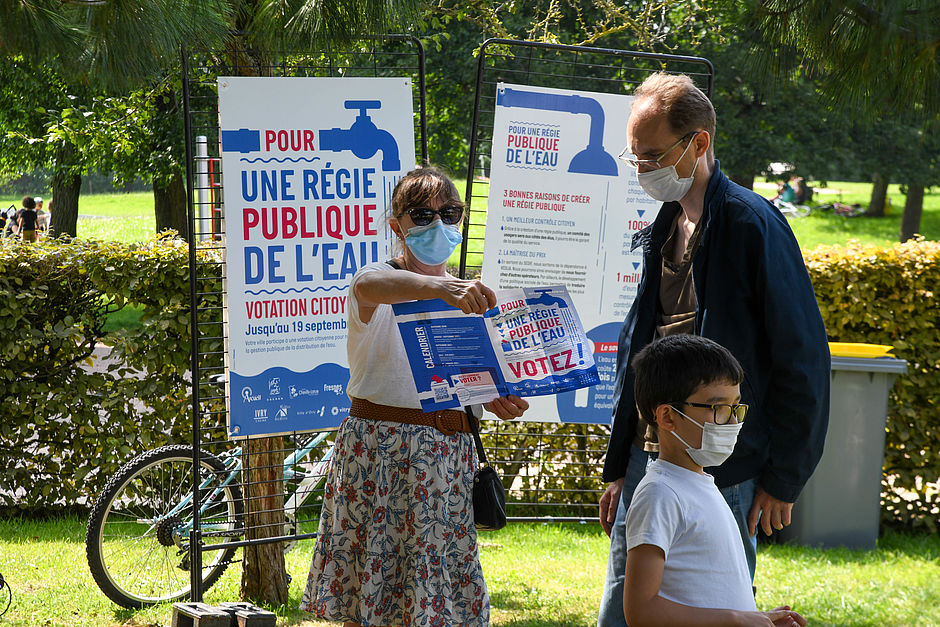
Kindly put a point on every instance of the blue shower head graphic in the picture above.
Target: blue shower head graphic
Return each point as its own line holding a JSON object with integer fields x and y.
{"x": 593, "y": 159}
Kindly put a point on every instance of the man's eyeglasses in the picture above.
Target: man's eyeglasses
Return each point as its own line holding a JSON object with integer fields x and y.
{"x": 722, "y": 412}
{"x": 651, "y": 164}
{"x": 422, "y": 216}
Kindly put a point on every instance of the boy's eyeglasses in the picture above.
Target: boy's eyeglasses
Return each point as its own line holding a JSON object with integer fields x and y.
{"x": 422, "y": 216}
{"x": 722, "y": 412}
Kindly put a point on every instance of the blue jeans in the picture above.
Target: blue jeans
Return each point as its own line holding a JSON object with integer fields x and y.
{"x": 739, "y": 497}
{"x": 611, "y": 612}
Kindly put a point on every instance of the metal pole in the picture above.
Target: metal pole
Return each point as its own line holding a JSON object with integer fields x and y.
{"x": 203, "y": 193}
{"x": 195, "y": 539}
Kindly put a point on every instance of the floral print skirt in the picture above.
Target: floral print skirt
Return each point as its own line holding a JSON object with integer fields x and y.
{"x": 396, "y": 543}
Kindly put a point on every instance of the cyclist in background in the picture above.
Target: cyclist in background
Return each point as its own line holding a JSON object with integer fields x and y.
{"x": 10, "y": 216}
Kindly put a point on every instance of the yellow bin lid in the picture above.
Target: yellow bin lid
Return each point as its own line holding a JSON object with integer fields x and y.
{"x": 849, "y": 349}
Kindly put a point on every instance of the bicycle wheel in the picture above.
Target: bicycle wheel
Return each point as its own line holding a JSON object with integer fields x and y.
{"x": 137, "y": 541}
{"x": 801, "y": 211}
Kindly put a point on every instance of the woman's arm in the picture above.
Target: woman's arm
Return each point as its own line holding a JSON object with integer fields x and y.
{"x": 385, "y": 288}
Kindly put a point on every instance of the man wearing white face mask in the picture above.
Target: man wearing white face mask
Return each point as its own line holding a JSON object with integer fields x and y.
{"x": 719, "y": 261}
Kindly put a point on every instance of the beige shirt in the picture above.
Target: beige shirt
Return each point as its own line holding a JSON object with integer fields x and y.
{"x": 676, "y": 303}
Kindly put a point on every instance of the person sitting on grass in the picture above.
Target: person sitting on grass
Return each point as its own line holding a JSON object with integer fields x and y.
{"x": 785, "y": 193}
{"x": 685, "y": 560}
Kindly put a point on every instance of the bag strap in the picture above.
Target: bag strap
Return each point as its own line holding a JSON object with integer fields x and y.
{"x": 481, "y": 452}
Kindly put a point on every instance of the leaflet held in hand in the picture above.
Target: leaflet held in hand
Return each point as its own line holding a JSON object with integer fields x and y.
{"x": 532, "y": 343}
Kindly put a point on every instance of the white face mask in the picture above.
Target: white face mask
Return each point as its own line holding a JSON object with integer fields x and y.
{"x": 664, "y": 184}
{"x": 717, "y": 442}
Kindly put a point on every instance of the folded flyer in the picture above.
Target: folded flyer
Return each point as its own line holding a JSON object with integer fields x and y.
{"x": 532, "y": 343}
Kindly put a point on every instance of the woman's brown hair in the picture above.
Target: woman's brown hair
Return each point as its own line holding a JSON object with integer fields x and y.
{"x": 419, "y": 187}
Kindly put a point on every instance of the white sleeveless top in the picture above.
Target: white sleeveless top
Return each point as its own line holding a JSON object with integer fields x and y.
{"x": 378, "y": 366}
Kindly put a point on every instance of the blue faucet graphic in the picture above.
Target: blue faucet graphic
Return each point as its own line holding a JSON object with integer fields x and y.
{"x": 593, "y": 159}
{"x": 363, "y": 138}
{"x": 244, "y": 140}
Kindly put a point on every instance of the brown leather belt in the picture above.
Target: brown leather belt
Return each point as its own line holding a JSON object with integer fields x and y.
{"x": 447, "y": 421}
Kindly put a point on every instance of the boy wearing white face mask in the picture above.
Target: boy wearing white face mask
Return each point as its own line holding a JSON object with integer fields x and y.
{"x": 685, "y": 560}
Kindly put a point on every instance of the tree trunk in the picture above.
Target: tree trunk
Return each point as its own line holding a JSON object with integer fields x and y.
{"x": 879, "y": 191}
{"x": 66, "y": 188}
{"x": 744, "y": 179}
{"x": 264, "y": 574}
{"x": 913, "y": 209}
{"x": 169, "y": 194}
{"x": 169, "y": 205}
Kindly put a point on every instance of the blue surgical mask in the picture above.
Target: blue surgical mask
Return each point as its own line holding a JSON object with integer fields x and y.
{"x": 433, "y": 243}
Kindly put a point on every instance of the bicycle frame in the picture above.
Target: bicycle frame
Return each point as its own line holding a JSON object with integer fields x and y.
{"x": 233, "y": 464}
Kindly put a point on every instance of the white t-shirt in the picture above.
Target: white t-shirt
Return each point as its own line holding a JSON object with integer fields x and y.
{"x": 378, "y": 366}
{"x": 683, "y": 513}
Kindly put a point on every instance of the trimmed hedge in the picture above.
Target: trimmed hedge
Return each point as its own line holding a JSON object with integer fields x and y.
{"x": 880, "y": 295}
{"x": 66, "y": 429}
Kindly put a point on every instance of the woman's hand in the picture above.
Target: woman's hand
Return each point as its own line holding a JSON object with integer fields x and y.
{"x": 507, "y": 407}
{"x": 469, "y": 296}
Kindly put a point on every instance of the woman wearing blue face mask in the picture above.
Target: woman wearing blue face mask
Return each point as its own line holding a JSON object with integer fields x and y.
{"x": 396, "y": 543}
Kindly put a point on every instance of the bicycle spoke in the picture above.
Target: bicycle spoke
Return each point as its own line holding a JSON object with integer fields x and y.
{"x": 136, "y": 534}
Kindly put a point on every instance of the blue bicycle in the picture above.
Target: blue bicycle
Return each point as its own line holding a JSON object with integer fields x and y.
{"x": 137, "y": 541}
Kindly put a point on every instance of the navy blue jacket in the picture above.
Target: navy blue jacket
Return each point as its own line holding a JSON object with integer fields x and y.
{"x": 754, "y": 298}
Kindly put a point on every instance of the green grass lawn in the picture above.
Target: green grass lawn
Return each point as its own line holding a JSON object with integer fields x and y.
{"x": 120, "y": 217}
{"x": 129, "y": 217}
{"x": 822, "y": 228}
{"x": 127, "y": 318}
{"x": 537, "y": 575}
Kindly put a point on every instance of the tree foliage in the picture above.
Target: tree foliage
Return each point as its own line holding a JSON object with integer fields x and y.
{"x": 37, "y": 29}
{"x": 452, "y": 31}
{"x": 876, "y": 56}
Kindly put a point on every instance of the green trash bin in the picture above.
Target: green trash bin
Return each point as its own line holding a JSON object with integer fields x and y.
{"x": 841, "y": 503}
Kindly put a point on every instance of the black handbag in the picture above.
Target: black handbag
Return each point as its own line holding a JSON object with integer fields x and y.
{"x": 489, "y": 499}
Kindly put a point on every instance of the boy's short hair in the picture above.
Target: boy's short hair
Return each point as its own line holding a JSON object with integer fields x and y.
{"x": 28, "y": 202}
{"x": 670, "y": 369}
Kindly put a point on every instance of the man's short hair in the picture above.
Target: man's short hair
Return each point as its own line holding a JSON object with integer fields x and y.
{"x": 670, "y": 369}
{"x": 687, "y": 107}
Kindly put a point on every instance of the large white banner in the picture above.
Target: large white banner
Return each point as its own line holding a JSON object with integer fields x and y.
{"x": 308, "y": 168}
{"x": 563, "y": 209}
